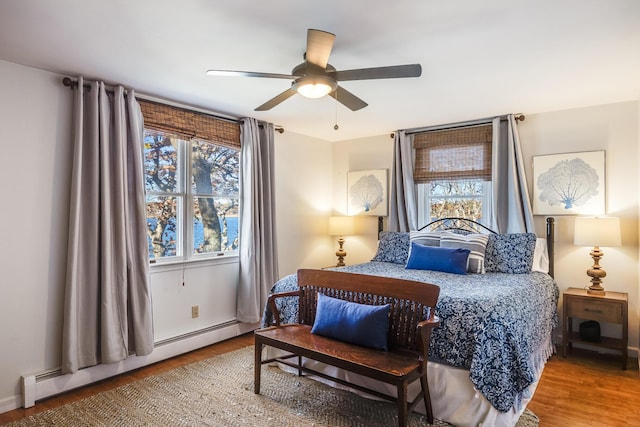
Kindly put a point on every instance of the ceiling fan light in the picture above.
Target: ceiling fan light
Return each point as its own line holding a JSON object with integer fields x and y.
{"x": 314, "y": 87}
{"x": 314, "y": 90}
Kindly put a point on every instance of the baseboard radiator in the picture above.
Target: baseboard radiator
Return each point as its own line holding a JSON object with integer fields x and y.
{"x": 46, "y": 384}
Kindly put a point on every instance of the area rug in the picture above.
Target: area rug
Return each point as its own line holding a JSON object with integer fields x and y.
{"x": 219, "y": 392}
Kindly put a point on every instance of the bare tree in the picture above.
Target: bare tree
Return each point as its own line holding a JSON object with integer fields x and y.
{"x": 161, "y": 165}
{"x": 215, "y": 173}
{"x": 456, "y": 198}
{"x": 214, "y": 181}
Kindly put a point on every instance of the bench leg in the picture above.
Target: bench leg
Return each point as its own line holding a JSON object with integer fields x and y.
{"x": 427, "y": 398}
{"x": 257, "y": 366}
{"x": 402, "y": 404}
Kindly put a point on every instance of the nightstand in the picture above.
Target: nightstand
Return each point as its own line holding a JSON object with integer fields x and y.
{"x": 609, "y": 308}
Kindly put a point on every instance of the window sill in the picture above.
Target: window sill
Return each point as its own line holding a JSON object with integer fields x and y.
{"x": 193, "y": 263}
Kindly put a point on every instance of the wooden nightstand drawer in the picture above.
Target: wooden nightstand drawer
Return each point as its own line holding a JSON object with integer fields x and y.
{"x": 611, "y": 308}
{"x": 603, "y": 311}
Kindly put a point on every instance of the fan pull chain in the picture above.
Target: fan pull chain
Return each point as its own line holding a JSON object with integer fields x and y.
{"x": 336, "y": 127}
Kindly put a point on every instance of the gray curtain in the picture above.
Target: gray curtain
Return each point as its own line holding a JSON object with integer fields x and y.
{"x": 258, "y": 248}
{"x": 511, "y": 210}
{"x": 403, "y": 210}
{"x": 107, "y": 312}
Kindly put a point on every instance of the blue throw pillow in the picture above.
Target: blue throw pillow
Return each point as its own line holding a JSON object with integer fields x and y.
{"x": 448, "y": 260}
{"x": 351, "y": 322}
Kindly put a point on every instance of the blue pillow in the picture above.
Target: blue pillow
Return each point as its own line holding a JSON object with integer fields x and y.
{"x": 351, "y": 322}
{"x": 448, "y": 260}
{"x": 510, "y": 253}
{"x": 393, "y": 247}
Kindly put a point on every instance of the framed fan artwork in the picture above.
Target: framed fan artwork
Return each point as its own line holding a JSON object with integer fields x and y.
{"x": 569, "y": 184}
{"x": 367, "y": 192}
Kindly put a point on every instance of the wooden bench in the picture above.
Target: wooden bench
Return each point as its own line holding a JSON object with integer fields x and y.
{"x": 408, "y": 334}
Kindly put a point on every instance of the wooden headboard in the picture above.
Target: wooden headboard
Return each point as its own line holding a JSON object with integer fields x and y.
{"x": 471, "y": 226}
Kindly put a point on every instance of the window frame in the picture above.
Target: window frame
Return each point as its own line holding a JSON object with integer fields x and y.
{"x": 424, "y": 202}
{"x": 185, "y": 204}
{"x": 190, "y": 204}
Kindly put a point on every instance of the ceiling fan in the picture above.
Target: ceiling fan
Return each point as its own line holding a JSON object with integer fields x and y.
{"x": 315, "y": 77}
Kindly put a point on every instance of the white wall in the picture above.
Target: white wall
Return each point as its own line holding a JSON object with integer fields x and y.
{"x": 613, "y": 128}
{"x": 34, "y": 183}
{"x": 303, "y": 202}
{"x": 358, "y": 155}
{"x": 175, "y": 288}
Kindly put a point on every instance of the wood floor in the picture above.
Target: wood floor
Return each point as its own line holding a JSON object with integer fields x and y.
{"x": 581, "y": 390}
{"x": 587, "y": 389}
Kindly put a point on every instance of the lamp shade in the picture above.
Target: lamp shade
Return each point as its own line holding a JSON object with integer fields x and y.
{"x": 597, "y": 231}
{"x": 314, "y": 86}
{"x": 341, "y": 225}
{"x": 314, "y": 90}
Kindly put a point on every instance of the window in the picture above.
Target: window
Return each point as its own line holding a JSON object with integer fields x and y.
{"x": 192, "y": 187}
{"x": 453, "y": 173}
{"x": 469, "y": 199}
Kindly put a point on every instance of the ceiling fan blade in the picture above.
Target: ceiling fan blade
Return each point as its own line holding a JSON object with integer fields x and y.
{"x": 319, "y": 45}
{"x": 391, "y": 72}
{"x": 232, "y": 73}
{"x": 348, "y": 99}
{"x": 276, "y": 100}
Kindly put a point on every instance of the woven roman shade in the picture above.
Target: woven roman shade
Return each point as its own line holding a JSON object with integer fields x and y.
{"x": 453, "y": 154}
{"x": 189, "y": 124}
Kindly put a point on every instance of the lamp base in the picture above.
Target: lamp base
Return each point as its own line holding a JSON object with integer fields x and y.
{"x": 340, "y": 253}
{"x": 596, "y": 273}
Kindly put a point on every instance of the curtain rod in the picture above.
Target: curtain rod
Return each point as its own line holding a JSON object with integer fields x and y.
{"x": 276, "y": 128}
{"x": 72, "y": 84}
{"x": 518, "y": 117}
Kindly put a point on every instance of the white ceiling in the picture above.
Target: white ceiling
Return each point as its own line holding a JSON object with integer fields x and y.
{"x": 479, "y": 58}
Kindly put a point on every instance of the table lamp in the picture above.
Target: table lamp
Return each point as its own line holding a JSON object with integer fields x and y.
{"x": 341, "y": 226}
{"x": 596, "y": 232}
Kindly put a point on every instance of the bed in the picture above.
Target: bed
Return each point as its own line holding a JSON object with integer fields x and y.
{"x": 497, "y": 317}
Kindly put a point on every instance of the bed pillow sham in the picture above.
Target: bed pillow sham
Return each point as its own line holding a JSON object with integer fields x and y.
{"x": 475, "y": 242}
{"x": 510, "y": 253}
{"x": 436, "y": 258}
{"x": 541, "y": 256}
{"x": 360, "y": 324}
{"x": 426, "y": 238}
{"x": 392, "y": 247}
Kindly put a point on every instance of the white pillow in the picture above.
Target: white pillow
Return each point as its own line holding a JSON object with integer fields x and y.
{"x": 540, "y": 256}
{"x": 476, "y": 243}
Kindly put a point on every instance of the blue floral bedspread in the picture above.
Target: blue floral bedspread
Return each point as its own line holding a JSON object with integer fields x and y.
{"x": 493, "y": 324}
